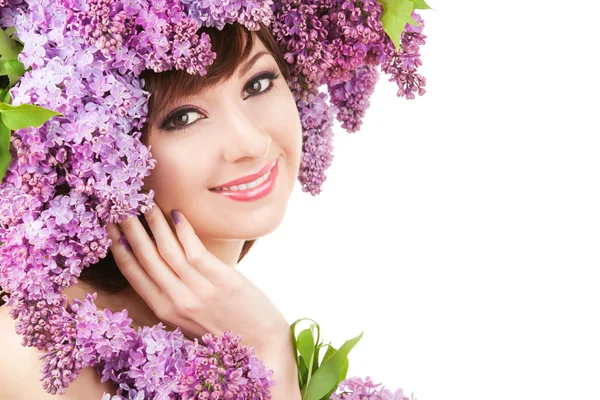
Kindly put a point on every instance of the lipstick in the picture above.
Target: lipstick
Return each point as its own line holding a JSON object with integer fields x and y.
{"x": 255, "y": 193}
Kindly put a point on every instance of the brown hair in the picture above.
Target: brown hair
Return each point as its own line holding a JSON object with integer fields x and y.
{"x": 232, "y": 45}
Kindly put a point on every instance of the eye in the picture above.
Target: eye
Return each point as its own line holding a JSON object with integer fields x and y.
{"x": 181, "y": 118}
{"x": 261, "y": 84}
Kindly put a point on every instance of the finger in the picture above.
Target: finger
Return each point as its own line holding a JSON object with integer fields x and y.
{"x": 172, "y": 251}
{"x": 147, "y": 255}
{"x": 196, "y": 253}
{"x": 135, "y": 274}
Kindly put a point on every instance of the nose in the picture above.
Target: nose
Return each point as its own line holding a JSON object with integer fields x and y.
{"x": 245, "y": 138}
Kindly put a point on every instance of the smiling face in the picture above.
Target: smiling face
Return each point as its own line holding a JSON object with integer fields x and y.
{"x": 230, "y": 130}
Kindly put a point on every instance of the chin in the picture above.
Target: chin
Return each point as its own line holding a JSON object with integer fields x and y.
{"x": 230, "y": 219}
{"x": 215, "y": 216}
{"x": 253, "y": 225}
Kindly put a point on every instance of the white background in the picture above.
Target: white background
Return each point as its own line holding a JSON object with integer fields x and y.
{"x": 460, "y": 231}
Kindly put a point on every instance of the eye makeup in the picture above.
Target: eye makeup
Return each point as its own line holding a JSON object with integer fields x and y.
{"x": 181, "y": 114}
{"x": 272, "y": 75}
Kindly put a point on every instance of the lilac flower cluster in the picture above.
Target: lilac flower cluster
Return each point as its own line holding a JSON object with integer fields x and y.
{"x": 126, "y": 32}
{"x": 316, "y": 116}
{"x": 83, "y": 336}
{"x": 85, "y": 168}
{"x": 337, "y": 43}
{"x": 82, "y": 170}
{"x": 300, "y": 29}
{"x": 326, "y": 40}
{"x": 221, "y": 12}
{"x": 357, "y": 389}
{"x": 352, "y": 97}
{"x": 403, "y": 66}
{"x": 152, "y": 362}
{"x": 357, "y": 36}
{"x": 238, "y": 375}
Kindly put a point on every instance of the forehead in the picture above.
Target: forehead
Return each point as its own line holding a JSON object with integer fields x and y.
{"x": 257, "y": 44}
{"x": 176, "y": 86}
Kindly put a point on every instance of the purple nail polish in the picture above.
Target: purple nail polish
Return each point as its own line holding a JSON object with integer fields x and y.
{"x": 175, "y": 216}
{"x": 124, "y": 242}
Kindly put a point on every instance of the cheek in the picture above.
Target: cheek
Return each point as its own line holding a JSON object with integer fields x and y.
{"x": 285, "y": 125}
{"x": 178, "y": 169}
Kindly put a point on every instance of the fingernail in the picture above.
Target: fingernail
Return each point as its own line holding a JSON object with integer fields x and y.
{"x": 175, "y": 216}
{"x": 124, "y": 242}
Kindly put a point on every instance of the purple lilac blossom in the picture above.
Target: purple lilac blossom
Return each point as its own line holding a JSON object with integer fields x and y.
{"x": 352, "y": 97}
{"x": 218, "y": 13}
{"x": 316, "y": 116}
{"x": 357, "y": 36}
{"x": 221, "y": 368}
{"x": 402, "y": 65}
{"x": 300, "y": 30}
{"x": 84, "y": 169}
{"x": 359, "y": 389}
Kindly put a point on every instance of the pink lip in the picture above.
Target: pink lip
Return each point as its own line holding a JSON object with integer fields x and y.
{"x": 255, "y": 193}
{"x": 249, "y": 178}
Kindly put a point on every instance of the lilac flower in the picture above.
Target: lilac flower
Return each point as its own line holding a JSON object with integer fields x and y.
{"x": 356, "y": 33}
{"x": 221, "y": 368}
{"x": 402, "y": 65}
{"x": 357, "y": 389}
{"x": 316, "y": 117}
{"x": 300, "y": 30}
{"x": 352, "y": 97}
{"x": 84, "y": 169}
{"x": 33, "y": 53}
{"x": 249, "y": 13}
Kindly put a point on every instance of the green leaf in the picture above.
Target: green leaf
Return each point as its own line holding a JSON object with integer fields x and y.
{"x": 24, "y": 115}
{"x": 303, "y": 365}
{"x": 316, "y": 359}
{"x": 330, "y": 351}
{"x": 5, "y": 156}
{"x": 344, "y": 370}
{"x": 13, "y": 68}
{"x": 421, "y": 5}
{"x": 396, "y": 14}
{"x": 302, "y": 372}
{"x": 9, "y": 48}
{"x": 5, "y": 96}
{"x": 306, "y": 346}
{"x": 13, "y": 65}
{"x": 327, "y": 376}
{"x": 343, "y": 374}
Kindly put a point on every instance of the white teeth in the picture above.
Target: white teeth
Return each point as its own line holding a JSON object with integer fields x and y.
{"x": 245, "y": 186}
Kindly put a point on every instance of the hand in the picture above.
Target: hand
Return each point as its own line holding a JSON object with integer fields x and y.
{"x": 188, "y": 287}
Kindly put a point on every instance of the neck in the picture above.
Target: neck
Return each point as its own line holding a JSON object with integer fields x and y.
{"x": 228, "y": 251}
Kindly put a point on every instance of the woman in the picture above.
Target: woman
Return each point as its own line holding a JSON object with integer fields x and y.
{"x": 204, "y": 132}
{"x": 229, "y": 137}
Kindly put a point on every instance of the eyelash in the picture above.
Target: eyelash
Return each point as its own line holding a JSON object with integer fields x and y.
{"x": 272, "y": 75}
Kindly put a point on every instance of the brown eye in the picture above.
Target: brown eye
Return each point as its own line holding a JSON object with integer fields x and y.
{"x": 260, "y": 85}
{"x": 254, "y": 87}
{"x": 181, "y": 119}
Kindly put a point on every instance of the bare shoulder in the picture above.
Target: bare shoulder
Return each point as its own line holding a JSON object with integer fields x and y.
{"x": 20, "y": 370}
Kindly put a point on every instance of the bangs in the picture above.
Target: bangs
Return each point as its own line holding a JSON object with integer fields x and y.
{"x": 232, "y": 45}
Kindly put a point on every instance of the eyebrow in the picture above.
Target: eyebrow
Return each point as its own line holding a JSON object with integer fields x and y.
{"x": 246, "y": 67}
{"x": 243, "y": 70}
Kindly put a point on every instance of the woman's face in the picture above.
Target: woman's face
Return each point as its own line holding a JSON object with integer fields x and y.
{"x": 223, "y": 133}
